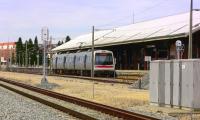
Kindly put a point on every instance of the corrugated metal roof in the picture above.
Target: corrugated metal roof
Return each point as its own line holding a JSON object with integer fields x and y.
{"x": 158, "y": 29}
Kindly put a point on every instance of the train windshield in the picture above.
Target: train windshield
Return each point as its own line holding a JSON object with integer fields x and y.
{"x": 103, "y": 59}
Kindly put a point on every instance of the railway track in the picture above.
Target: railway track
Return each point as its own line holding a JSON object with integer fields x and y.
{"x": 96, "y": 79}
{"x": 116, "y": 112}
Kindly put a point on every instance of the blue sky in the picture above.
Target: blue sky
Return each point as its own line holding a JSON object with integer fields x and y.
{"x": 25, "y": 18}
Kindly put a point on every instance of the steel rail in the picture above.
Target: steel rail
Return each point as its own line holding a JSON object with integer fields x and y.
{"x": 106, "y": 80}
{"x": 51, "y": 104}
{"x": 88, "y": 104}
{"x": 109, "y": 80}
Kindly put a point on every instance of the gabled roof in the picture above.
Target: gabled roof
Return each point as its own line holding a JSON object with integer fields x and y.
{"x": 175, "y": 26}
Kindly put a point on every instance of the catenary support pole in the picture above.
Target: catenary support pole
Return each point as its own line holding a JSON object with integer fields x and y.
{"x": 190, "y": 32}
{"x": 92, "y": 69}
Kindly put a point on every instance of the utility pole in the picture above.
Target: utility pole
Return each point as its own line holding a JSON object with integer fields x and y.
{"x": 190, "y": 32}
{"x": 50, "y": 53}
{"x": 92, "y": 70}
{"x": 10, "y": 57}
{"x": 26, "y": 62}
{"x": 38, "y": 59}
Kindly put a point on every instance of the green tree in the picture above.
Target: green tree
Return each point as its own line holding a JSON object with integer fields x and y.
{"x": 30, "y": 48}
{"x": 59, "y": 43}
{"x": 67, "y": 39}
{"x": 19, "y": 51}
{"x": 25, "y": 55}
{"x": 35, "y": 51}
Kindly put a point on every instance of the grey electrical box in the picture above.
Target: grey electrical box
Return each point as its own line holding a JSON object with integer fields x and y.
{"x": 175, "y": 82}
{"x": 153, "y": 82}
{"x": 168, "y": 82}
{"x": 190, "y": 83}
{"x": 157, "y": 94}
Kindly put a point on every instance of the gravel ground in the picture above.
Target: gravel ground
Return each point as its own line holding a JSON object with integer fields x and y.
{"x": 17, "y": 107}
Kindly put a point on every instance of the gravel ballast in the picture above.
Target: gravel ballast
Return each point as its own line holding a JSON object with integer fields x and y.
{"x": 16, "y": 107}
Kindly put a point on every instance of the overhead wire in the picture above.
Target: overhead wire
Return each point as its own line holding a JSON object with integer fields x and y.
{"x": 110, "y": 24}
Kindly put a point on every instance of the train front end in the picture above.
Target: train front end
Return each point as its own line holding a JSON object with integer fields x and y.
{"x": 104, "y": 63}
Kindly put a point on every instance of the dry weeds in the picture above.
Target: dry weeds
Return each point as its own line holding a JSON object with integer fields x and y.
{"x": 110, "y": 94}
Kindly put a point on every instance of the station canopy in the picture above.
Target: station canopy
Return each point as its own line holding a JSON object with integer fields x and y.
{"x": 169, "y": 27}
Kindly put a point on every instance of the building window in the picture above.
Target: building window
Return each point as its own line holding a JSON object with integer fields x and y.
{"x": 162, "y": 54}
{"x": 10, "y": 46}
{"x": 5, "y": 47}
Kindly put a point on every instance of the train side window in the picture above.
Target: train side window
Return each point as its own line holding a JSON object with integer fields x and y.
{"x": 85, "y": 58}
{"x": 74, "y": 61}
{"x": 56, "y": 62}
{"x": 64, "y": 61}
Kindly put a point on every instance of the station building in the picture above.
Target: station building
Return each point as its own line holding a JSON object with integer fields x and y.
{"x": 7, "y": 50}
{"x": 133, "y": 44}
